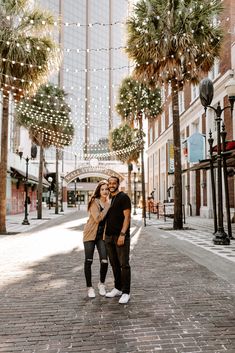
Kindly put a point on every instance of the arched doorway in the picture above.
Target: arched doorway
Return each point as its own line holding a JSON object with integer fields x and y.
{"x": 81, "y": 182}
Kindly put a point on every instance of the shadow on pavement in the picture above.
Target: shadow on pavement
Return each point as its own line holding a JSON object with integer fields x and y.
{"x": 176, "y": 306}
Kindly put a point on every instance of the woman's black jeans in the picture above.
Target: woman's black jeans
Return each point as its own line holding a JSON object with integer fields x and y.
{"x": 89, "y": 247}
{"x": 119, "y": 260}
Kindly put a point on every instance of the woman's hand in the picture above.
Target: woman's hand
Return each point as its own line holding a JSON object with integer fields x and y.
{"x": 106, "y": 203}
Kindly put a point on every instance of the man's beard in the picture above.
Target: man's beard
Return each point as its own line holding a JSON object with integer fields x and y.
{"x": 116, "y": 189}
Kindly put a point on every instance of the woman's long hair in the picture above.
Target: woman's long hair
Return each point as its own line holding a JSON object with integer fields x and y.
{"x": 96, "y": 193}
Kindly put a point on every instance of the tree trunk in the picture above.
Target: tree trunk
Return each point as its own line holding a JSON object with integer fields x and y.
{"x": 40, "y": 185}
{"x": 57, "y": 182}
{"x": 129, "y": 181}
{"x": 178, "y": 215}
{"x": 142, "y": 170}
{"x": 3, "y": 165}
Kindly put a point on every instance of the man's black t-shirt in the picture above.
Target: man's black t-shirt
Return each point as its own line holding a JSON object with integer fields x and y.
{"x": 115, "y": 216}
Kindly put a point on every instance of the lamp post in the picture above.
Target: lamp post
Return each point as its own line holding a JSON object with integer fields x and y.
{"x": 210, "y": 141}
{"x": 206, "y": 96}
{"x": 142, "y": 170}
{"x": 135, "y": 181}
{"x": 62, "y": 178}
{"x": 26, "y": 221}
{"x": 75, "y": 193}
{"x": 50, "y": 181}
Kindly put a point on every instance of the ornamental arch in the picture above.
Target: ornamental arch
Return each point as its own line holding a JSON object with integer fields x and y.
{"x": 79, "y": 192}
{"x": 88, "y": 171}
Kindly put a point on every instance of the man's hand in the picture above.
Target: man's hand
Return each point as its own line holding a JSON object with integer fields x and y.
{"x": 121, "y": 240}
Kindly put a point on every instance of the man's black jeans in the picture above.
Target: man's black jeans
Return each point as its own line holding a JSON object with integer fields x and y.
{"x": 89, "y": 247}
{"x": 119, "y": 260}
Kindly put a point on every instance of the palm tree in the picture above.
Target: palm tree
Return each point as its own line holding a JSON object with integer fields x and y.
{"x": 135, "y": 99}
{"x": 173, "y": 42}
{"x": 28, "y": 54}
{"x": 124, "y": 138}
{"x": 47, "y": 117}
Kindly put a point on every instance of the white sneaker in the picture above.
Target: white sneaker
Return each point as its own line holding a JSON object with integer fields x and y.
{"x": 91, "y": 292}
{"x": 114, "y": 293}
{"x": 124, "y": 298}
{"x": 101, "y": 288}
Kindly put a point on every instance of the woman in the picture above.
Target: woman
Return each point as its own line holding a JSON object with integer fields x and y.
{"x": 98, "y": 207}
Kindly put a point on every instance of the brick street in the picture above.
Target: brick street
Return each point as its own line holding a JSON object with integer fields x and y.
{"x": 179, "y": 302}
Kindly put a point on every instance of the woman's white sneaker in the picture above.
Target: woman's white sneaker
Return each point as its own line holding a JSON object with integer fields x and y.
{"x": 91, "y": 292}
{"x": 114, "y": 293}
{"x": 124, "y": 298}
{"x": 101, "y": 288}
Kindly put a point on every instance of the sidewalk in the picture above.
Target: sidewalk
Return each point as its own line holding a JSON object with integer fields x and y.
{"x": 14, "y": 222}
{"x": 195, "y": 222}
{"x": 197, "y": 236}
{"x": 177, "y": 304}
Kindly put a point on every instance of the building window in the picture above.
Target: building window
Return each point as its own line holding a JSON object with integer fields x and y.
{"x": 170, "y": 114}
{"x": 181, "y": 102}
{"x": 214, "y": 72}
{"x": 156, "y": 129}
{"x": 150, "y": 135}
{"x": 163, "y": 122}
{"x": 169, "y": 89}
{"x": 163, "y": 94}
{"x": 195, "y": 126}
{"x": 194, "y": 92}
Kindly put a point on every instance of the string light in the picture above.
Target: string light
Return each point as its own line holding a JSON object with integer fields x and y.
{"x": 136, "y": 144}
{"x": 67, "y": 24}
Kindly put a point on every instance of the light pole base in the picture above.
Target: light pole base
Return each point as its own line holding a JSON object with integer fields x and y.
{"x": 221, "y": 238}
{"x": 25, "y": 222}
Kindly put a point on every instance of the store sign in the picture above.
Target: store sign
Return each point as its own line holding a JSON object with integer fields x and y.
{"x": 91, "y": 171}
{"x": 171, "y": 168}
{"x": 196, "y": 147}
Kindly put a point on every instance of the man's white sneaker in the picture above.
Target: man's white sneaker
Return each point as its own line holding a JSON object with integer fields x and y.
{"x": 124, "y": 298}
{"x": 101, "y": 288}
{"x": 114, "y": 293}
{"x": 91, "y": 292}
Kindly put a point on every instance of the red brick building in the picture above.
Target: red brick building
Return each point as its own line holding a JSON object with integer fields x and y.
{"x": 196, "y": 183}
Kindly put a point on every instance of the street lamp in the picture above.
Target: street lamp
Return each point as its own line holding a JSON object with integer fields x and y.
{"x": 62, "y": 178}
{"x": 206, "y": 96}
{"x": 26, "y": 221}
{"x": 75, "y": 193}
{"x": 20, "y": 153}
{"x": 135, "y": 201}
{"x": 50, "y": 181}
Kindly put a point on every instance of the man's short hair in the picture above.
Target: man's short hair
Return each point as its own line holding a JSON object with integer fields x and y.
{"x": 114, "y": 177}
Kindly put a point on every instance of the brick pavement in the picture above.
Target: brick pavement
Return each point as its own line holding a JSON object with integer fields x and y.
{"x": 177, "y": 305}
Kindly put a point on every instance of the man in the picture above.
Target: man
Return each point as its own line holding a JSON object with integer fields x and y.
{"x": 117, "y": 238}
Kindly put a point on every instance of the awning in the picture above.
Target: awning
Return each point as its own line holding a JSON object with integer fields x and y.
{"x": 229, "y": 146}
{"x": 205, "y": 164}
{"x": 31, "y": 178}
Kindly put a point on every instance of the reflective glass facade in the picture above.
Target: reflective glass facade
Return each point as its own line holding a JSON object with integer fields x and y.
{"x": 91, "y": 69}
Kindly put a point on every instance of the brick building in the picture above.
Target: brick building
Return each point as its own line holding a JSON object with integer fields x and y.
{"x": 193, "y": 122}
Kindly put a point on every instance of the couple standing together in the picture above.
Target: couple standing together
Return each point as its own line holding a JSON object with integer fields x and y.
{"x": 108, "y": 229}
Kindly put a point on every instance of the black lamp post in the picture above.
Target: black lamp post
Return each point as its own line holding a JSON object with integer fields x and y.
{"x": 210, "y": 141}
{"x": 50, "y": 181}
{"x": 142, "y": 170}
{"x": 206, "y": 96}
{"x": 135, "y": 181}
{"x": 26, "y": 221}
{"x": 62, "y": 178}
{"x": 75, "y": 193}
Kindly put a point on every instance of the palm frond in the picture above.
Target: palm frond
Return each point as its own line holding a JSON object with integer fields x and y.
{"x": 135, "y": 97}
{"x": 48, "y": 118}
{"x": 174, "y": 39}
{"x": 28, "y": 52}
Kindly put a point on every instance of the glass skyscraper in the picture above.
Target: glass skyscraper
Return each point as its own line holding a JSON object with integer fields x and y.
{"x": 94, "y": 63}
